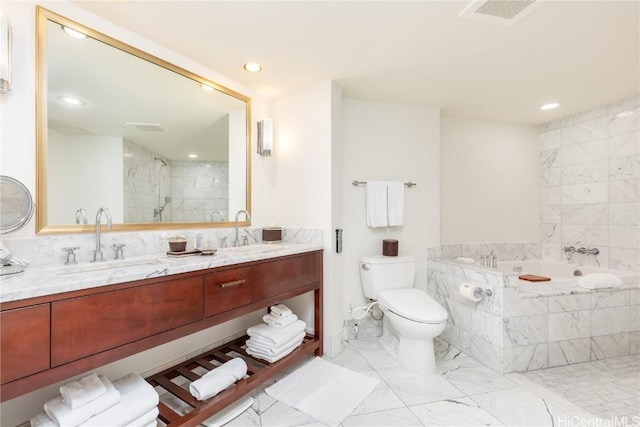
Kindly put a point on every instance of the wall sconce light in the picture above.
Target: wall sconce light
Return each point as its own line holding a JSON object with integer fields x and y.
{"x": 265, "y": 137}
{"x": 5, "y": 55}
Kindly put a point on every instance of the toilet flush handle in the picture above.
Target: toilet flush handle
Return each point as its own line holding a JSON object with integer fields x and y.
{"x": 365, "y": 267}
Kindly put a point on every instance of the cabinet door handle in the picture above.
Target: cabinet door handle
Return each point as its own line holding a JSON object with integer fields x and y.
{"x": 234, "y": 283}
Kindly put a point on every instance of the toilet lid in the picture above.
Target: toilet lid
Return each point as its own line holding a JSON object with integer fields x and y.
{"x": 413, "y": 304}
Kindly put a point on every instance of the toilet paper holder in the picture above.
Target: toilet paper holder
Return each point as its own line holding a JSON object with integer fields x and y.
{"x": 480, "y": 292}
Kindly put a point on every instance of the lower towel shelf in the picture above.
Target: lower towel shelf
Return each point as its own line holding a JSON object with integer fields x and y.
{"x": 259, "y": 371}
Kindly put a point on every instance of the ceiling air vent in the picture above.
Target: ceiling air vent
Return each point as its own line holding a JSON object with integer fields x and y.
{"x": 147, "y": 127}
{"x": 505, "y": 12}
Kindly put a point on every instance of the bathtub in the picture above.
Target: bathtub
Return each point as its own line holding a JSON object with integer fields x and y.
{"x": 558, "y": 271}
{"x": 523, "y": 326}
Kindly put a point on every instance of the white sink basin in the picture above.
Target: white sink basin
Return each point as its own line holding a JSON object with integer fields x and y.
{"x": 107, "y": 265}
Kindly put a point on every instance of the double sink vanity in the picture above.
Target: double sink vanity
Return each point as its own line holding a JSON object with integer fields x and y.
{"x": 61, "y": 321}
{"x": 57, "y": 322}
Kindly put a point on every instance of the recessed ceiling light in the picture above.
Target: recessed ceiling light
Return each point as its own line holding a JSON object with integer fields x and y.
{"x": 192, "y": 156}
{"x": 549, "y": 106}
{"x": 74, "y": 33}
{"x": 71, "y": 100}
{"x": 252, "y": 67}
{"x": 206, "y": 87}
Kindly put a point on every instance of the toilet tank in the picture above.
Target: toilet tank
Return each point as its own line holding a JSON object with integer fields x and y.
{"x": 379, "y": 273}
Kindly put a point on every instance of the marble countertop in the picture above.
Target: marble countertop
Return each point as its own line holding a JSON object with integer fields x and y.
{"x": 49, "y": 280}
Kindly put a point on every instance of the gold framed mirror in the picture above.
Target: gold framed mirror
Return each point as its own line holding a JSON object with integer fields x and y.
{"x": 159, "y": 146}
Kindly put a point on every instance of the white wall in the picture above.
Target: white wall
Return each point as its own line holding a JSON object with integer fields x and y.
{"x": 17, "y": 159}
{"x": 397, "y": 143}
{"x": 303, "y": 130}
{"x": 81, "y": 174}
{"x": 489, "y": 182}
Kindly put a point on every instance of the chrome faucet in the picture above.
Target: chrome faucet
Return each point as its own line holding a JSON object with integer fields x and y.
{"x": 236, "y": 241}
{"x": 587, "y": 251}
{"x": 81, "y": 215}
{"x": 214, "y": 213}
{"x": 97, "y": 254}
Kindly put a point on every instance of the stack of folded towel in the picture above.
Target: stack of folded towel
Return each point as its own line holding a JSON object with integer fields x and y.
{"x": 280, "y": 334}
{"x": 93, "y": 400}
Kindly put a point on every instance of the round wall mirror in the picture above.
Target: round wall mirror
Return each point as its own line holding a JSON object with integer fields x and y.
{"x": 16, "y": 204}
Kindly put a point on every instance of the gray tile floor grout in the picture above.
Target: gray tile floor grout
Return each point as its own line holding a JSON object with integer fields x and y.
{"x": 466, "y": 393}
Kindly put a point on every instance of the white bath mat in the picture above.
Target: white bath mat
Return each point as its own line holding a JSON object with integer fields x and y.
{"x": 324, "y": 391}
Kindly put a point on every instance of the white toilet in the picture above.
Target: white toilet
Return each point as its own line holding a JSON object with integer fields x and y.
{"x": 412, "y": 318}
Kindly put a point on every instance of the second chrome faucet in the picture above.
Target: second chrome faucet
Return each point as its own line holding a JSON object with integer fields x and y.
{"x": 97, "y": 254}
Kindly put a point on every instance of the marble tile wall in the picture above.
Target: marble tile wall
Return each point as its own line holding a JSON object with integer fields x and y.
{"x": 474, "y": 328}
{"x": 199, "y": 189}
{"x": 590, "y": 185}
{"x": 512, "y": 251}
{"x": 147, "y": 181}
{"x": 509, "y": 333}
{"x": 196, "y": 188}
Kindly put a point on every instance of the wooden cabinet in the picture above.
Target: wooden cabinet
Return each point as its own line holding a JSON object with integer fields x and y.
{"x": 51, "y": 338}
{"x": 24, "y": 336}
{"x": 271, "y": 279}
{"x": 88, "y": 325}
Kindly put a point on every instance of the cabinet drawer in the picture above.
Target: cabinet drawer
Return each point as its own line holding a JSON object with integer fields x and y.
{"x": 87, "y": 325}
{"x": 226, "y": 290}
{"x": 24, "y": 340}
{"x": 273, "y": 278}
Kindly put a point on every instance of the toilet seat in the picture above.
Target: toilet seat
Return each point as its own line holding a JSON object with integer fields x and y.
{"x": 413, "y": 304}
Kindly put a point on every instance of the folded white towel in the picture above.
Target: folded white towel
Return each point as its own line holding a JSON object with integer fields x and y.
{"x": 7, "y": 258}
{"x": 80, "y": 392}
{"x": 42, "y": 420}
{"x": 273, "y": 357}
{"x": 376, "y": 197}
{"x": 58, "y": 410}
{"x": 279, "y": 322}
{"x": 138, "y": 398}
{"x": 146, "y": 419}
{"x": 218, "y": 379}
{"x": 261, "y": 344}
{"x": 395, "y": 203}
{"x": 277, "y": 336}
{"x": 281, "y": 310}
{"x": 599, "y": 281}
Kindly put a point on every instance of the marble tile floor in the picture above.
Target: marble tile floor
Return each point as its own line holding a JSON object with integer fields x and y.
{"x": 607, "y": 388}
{"x": 463, "y": 393}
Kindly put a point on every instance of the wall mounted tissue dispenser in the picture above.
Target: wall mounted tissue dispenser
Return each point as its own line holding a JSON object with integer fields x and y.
{"x": 473, "y": 292}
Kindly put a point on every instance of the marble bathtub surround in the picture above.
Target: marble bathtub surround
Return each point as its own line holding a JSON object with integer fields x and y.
{"x": 527, "y": 326}
{"x": 511, "y": 251}
{"x": 590, "y": 185}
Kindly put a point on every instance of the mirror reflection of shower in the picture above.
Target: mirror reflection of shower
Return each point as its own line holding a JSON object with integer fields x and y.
{"x": 157, "y": 211}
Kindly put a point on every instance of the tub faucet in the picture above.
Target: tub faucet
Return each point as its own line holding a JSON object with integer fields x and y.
{"x": 97, "y": 254}
{"x": 236, "y": 241}
{"x": 569, "y": 250}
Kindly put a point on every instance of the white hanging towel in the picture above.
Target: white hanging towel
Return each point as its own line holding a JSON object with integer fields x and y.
{"x": 376, "y": 194}
{"x": 395, "y": 203}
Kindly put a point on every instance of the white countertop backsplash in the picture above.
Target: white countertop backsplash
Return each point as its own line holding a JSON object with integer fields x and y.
{"x": 145, "y": 257}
